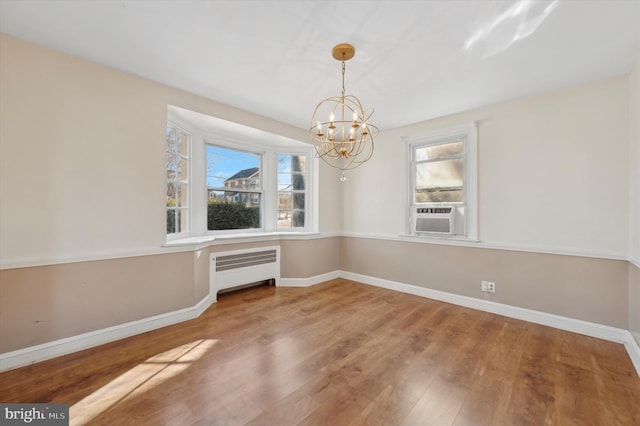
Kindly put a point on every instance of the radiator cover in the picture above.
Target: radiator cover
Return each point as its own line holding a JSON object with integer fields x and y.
{"x": 238, "y": 268}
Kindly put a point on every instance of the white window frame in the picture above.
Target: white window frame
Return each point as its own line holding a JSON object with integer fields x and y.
{"x": 262, "y": 189}
{"x": 469, "y": 207}
{"x": 183, "y": 232}
{"x": 307, "y": 180}
{"x": 231, "y": 135}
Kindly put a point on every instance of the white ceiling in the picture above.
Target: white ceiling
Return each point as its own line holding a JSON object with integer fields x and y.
{"x": 414, "y": 60}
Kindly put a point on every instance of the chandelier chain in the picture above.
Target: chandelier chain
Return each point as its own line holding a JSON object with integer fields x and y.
{"x": 343, "y": 68}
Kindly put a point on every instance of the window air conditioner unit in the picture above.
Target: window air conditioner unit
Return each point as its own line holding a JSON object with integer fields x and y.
{"x": 434, "y": 220}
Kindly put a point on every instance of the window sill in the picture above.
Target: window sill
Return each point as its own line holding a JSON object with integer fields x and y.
{"x": 204, "y": 239}
{"x": 189, "y": 241}
{"x": 438, "y": 238}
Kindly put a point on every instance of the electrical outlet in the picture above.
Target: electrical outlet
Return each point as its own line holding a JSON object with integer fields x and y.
{"x": 488, "y": 286}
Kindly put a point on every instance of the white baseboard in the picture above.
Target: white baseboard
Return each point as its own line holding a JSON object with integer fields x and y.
{"x": 45, "y": 351}
{"x": 634, "y": 352}
{"x": 30, "y": 355}
{"x": 307, "y": 282}
{"x": 586, "y": 328}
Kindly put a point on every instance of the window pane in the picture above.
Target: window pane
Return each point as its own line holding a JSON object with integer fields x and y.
{"x": 248, "y": 199}
{"x": 284, "y": 219}
{"x": 298, "y": 219}
{"x": 291, "y": 163}
{"x": 298, "y": 163}
{"x": 440, "y": 181}
{"x": 171, "y": 140}
{"x": 285, "y": 201}
{"x": 172, "y": 166}
{"x": 171, "y": 221}
{"x": 179, "y": 220}
{"x": 233, "y": 210}
{"x": 228, "y": 168}
{"x": 284, "y": 182}
{"x": 177, "y": 170}
{"x": 183, "y": 216}
{"x": 440, "y": 174}
{"x": 284, "y": 164}
{"x": 183, "y": 143}
{"x": 288, "y": 219}
{"x": 233, "y": 177}
{"x": 298, "y": 182}
{"x": 439, "y": 151}
{"x": 171, "y": 195}
{"x": 452, "y": 195}
{"x": 290, "y": 210}
{"x": 183, "y": 196}
{"x": 291, "y": 184}
{"x": 284, "y": 173}
{"x": 298, "y": 201}
{"x": 183, "y": 170}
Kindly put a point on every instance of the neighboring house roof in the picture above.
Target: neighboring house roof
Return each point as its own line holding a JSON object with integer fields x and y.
{"x": 243, "y": 174}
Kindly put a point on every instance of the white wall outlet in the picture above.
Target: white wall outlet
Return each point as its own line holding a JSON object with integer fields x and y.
{"x": 488, "y": 286}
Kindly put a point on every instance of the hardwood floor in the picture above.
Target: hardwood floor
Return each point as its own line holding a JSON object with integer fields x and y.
{"x": 340, "y": 353}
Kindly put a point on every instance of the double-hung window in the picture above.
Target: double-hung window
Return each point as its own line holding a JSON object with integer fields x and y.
{"x": 291, "y": 191}
{"x": 439, "y": 172}
{"x": 443, "y": 183}
{"x": 234, "y": 189}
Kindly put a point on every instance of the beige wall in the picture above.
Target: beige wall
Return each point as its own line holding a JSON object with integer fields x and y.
{"x": 634, "y": 161}
{"x": 86, "y": 144}
{"x": 551, "y": 169}
{"x": 201, "y": 264}
{"x": 576, "y": 287}
{"x": 634, "y": 199}
{"x": 46, "y": 303}
{"x": 634, "y": 301}
{"x": 309, "y": 258}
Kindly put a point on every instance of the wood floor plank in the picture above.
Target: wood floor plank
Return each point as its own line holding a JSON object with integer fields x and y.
{"x": 486, "y": 403}
{"x": 439, "y": 405}
{"x": 576, "y": 397}
{"x": 339, "y": 353}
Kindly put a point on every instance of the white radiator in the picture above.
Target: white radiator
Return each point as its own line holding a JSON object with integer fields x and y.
{"x": 238, "y": 268}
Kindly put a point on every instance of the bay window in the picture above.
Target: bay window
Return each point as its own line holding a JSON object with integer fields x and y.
{"x": 238, "y": 180}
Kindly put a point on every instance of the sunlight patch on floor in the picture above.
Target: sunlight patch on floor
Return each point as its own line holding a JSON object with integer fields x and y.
{"x": 141, "y": 378}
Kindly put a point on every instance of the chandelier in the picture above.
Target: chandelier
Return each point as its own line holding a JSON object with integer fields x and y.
{"x": 340, "y": 129}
